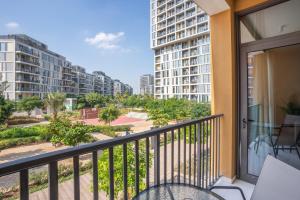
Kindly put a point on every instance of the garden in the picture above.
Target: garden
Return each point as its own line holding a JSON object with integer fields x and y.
{"x": 64, "y": 128}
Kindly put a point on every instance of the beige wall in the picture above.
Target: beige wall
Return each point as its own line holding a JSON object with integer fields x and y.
{"x": 223, "y": 85}
{"x": 224, "y": 79}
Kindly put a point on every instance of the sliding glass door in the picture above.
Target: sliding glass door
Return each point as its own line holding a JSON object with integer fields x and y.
{"x": 269, "y": 88}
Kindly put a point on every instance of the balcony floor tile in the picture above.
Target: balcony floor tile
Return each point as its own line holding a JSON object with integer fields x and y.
{"x": 234, "y": 194}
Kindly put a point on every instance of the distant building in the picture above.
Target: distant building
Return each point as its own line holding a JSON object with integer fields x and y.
{"x": 85, "y": 80}
{"x": 121, "y": 88}
{"x": 128, "y": 89}
{"x": 147, "y": 84}
{"x": 31, "y": 69}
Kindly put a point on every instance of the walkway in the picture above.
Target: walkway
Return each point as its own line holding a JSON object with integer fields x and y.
{"x": 66, "y": 189}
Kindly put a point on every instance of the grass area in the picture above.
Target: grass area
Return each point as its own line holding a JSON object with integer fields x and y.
{"x": 12, "y": 137}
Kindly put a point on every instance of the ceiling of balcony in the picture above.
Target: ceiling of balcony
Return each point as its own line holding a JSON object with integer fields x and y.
{"x": 212, "y": 7}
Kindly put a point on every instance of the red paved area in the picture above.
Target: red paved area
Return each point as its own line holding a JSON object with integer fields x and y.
{"x": 119, "y": 121}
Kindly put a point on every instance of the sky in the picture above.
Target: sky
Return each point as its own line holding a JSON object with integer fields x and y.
{"x": 107, "y": 35}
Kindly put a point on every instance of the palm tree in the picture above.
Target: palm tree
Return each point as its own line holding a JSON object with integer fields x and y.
{"x": 56, "y": 102}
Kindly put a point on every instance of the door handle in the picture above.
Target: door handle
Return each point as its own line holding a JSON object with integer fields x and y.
{"x": 244, "y": 123}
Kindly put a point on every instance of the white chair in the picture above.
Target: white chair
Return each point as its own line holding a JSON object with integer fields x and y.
{"x": 277, "y": 181}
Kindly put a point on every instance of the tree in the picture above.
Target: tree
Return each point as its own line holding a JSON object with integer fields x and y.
{"x": 66, "y": 133}
{"x": 200, "y": 110}
{"x": 94, "y": 99}
{"x": 110, "y": 113}
{"x": 6, "y": 109}
{"x": 103, "y": 165}
{"x": 56, "y": 102}
{"x": 159, "y": 117}
{"x": 29, "y": 103}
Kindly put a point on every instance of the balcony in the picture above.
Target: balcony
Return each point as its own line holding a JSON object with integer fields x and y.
{"x": 28, "y": 61}
{"x": 27, "y": 70}
{"x": 187, "y": 152}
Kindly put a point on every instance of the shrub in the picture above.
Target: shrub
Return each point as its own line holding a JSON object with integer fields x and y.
{"x": 103, "y": 165}
{"x": 17, "y": 132}
{"x": 22, "y": 136}
{"x": 73, "y": 136}
{"x": 94, "y": 99}
{"x": 29, "y": 103}
{"x": 64, "y": 132}
{"x": 72, "y": 115}
{"x": 47, "y": 117}
{"x": 200, "y": 110}
{"x": 107, "y": 130}
{"x": 6, "y": 109}
{"x": 22, "y": 120}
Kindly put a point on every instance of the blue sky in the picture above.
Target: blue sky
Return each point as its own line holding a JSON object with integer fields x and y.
{"x": 108, "y": 35}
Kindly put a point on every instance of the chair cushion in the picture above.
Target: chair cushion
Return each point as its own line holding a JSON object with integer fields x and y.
{"x": 277, "y": 181}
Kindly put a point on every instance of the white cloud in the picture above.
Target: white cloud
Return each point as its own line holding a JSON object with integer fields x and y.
{"x": 12, "y": 25}
{"x": 106, "y": 40}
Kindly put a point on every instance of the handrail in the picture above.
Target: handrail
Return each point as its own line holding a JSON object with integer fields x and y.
{"x": 42, "y": 159}
{"x": 200, "y": 135}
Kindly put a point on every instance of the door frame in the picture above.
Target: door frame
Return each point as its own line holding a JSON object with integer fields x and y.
{"x": 261, "y": 45}
{"x": 237, "y": 16}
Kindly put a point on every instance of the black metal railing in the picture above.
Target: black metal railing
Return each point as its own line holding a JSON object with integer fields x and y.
{"x": 187, "y": 152}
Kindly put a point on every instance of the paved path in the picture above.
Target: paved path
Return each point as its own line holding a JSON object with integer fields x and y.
{"x": 123, "y": 120}
{"x": 66, "y": 189}
{"x": 32, "y": 150}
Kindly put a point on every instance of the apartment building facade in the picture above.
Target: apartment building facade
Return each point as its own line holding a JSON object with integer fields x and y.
{"x": 121, "y": 88}
{"x": 28, "y": 68}
{"x": 147, "y": 84}
{"x": 180, "y": 39}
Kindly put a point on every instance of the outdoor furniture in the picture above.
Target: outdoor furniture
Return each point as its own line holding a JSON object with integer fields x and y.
{"x": 277, "y": 181}
{"x": 177, "y": 192}
{"x": 288, "y": 135}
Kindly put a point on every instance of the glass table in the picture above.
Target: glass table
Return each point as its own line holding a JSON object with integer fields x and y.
{"x": 177, "y": 192}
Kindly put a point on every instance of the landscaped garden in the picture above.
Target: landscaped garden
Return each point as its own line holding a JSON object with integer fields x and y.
{"x": 65, "y": 128}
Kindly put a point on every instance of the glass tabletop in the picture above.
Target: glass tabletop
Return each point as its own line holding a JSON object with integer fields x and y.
{"x": 177, "y": 192}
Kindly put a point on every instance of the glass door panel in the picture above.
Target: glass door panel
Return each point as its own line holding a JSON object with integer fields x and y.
{"x": 273, "y": 106}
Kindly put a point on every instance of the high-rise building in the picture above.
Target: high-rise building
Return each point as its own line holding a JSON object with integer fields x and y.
{"x": 180, "y": 39}
{"x": 147, "y": 84}
{"x": 28, "y": 68}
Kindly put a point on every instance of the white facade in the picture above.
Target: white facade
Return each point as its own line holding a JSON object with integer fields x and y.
{"x": 29, "y": 68}
{"x": 121, "y": 88}
{"x": 180, "y": 39}
{"x": 147, "y": 84}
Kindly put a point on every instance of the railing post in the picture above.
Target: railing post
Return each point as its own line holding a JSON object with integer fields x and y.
{"x": 156, "y": 159}
{"x": 24, "y": 189}
{"x": 76, "y": 178}
{"x": 95, "y": 175}
{"x": 53, "y": 181}
{"x": 198, "y": 156}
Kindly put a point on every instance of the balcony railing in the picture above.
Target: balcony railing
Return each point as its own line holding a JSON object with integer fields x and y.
{"x": 187, "y": 152}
